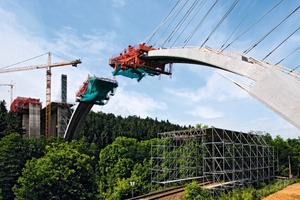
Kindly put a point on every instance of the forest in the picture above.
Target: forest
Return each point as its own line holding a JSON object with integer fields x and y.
{"x": 110, "y": 152}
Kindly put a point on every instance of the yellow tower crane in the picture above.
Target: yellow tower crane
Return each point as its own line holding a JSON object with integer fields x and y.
{"x": 48, "y": 67}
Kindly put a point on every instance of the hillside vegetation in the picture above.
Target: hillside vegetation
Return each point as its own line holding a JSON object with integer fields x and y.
{"x": 110, "y": 152}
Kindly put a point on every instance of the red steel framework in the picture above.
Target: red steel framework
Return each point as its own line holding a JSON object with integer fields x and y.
{"x": 83, "y": 88}
{"x": 134, "y": 57}
{"x": 21, "y": 104}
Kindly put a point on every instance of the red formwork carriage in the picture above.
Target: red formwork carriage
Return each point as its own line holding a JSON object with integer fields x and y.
{"x": 132, "y": 63}
{"x": 21, "y": 104}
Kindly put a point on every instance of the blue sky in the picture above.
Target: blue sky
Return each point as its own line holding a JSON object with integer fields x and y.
{"x": 95, "y": 30}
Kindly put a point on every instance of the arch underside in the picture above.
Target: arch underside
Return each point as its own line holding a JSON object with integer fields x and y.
{"x": 272, "y": 86}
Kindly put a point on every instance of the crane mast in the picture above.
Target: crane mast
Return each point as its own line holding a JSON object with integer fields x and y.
{"x": 11, "y": 90}
{"x": 48, "y": 67}
{"x": 48, "y": 97}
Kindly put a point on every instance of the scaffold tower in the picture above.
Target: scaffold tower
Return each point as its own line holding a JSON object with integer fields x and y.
{"x": 222, "y": 157}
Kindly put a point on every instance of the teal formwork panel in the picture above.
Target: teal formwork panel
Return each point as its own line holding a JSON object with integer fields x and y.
{"x": 99, "y": 90}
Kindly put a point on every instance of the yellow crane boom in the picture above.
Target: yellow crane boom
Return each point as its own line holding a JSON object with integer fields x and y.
{"x": 48, "y": 67}
{"x": 43, "y": 66}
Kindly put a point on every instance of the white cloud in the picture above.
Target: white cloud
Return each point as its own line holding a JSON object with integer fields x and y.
{"x": 18, "y": 43}
{"x": 216, "y": 88}
{"x": 127, "y": 103}
{"x": 69, "y": 40}
{"x": 118, "y": 3}
{"x": 205, "y": 112}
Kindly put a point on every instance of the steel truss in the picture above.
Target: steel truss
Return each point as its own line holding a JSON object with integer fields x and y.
{"x": 229, "y": 158}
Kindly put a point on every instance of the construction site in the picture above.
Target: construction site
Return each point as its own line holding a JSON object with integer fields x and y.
{"x": 51, "y": 120}
{"x": 54, "y": 119}
{"x": 222, "y": 159}
{"x": 217, "y": 159}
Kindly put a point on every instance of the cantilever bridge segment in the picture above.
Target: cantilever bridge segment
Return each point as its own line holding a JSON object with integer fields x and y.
{"x": 275, "y": 86}
{"x": 93, "y": 91}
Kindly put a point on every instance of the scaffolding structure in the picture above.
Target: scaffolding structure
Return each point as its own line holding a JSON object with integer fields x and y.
{"x": 177, "y": 157}
{"x": 223, "y": 157}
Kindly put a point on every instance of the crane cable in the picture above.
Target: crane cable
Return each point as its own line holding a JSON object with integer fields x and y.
{"x": 245, "y": 16}
{"x": 24, "y": 61}
{"x": 181, "y": 22}
{"x": 195, "y": 14}
{"x": 220, "y": 22}
{"x": 257, "y": 43}
{"x": 149, "y": 38}
{"x": 252, "y": 25}
{"x": 281, "y": 43}
{"x": 171, "y": 22}
{"x": 64, "y": 58}
{"x": 199, "y": 24}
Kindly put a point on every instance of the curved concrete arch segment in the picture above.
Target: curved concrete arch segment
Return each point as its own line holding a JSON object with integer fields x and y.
{"x": 77, "y": 119}
{"x": 277, "y": 90}
{"x": 230, "y": 61}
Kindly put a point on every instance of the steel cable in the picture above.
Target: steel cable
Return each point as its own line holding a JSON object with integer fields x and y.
{"x": 287, "y": 56}
{"x": 281, "y": 43}
{"x": 24, "y": 61}
{"x": 294, "y": 68}
{"x": 245, "y": 16}
{"x": 253, "y": 25}
{"x": 171, "y": 22}
{"x": 199, "y": 24}
{"x": 163, "y": 22}
{"x": 181, "y": 22}
{"x": 198, "y": 10}
{"x": 259, "y": 41}
{"x": 220, "y": 22}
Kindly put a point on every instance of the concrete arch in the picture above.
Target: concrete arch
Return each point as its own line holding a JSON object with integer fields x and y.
{"x": 273, "y": 85}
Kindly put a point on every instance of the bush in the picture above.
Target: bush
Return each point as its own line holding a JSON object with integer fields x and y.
{"x": 194, "y": 192}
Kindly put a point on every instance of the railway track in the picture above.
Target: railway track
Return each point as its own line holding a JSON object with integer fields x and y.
{"x": 163, "y": 193}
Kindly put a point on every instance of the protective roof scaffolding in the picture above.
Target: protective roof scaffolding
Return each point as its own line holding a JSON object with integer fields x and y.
{"x": 215, "y": 155}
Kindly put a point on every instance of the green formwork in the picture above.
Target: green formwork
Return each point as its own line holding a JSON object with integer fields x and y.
{"x": 137, "y": 73}
{"x": 99, "y": 90}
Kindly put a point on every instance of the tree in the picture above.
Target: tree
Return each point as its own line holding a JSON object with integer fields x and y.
{"x": 103, "y": 129}
{"x": 199, "y": 125}
{"x": 63, "y": 173}
{"x": 294, "y": 152}
{"x": 13, "y": 124}
{"x": 123, "y": 161}
{"x": 13, "y": 155}
{"x": 9, "y": 122}
{"x": 194, "y": 192}
{"x": 283, "y": 150}
{"x": 268, "y": 138}
{"x": 116, "y": 161}
{"x": 3, "y": 113}
{"x": 141, "y": 175}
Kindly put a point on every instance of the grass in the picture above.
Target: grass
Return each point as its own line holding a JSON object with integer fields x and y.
{"x": 258, "y": 192}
